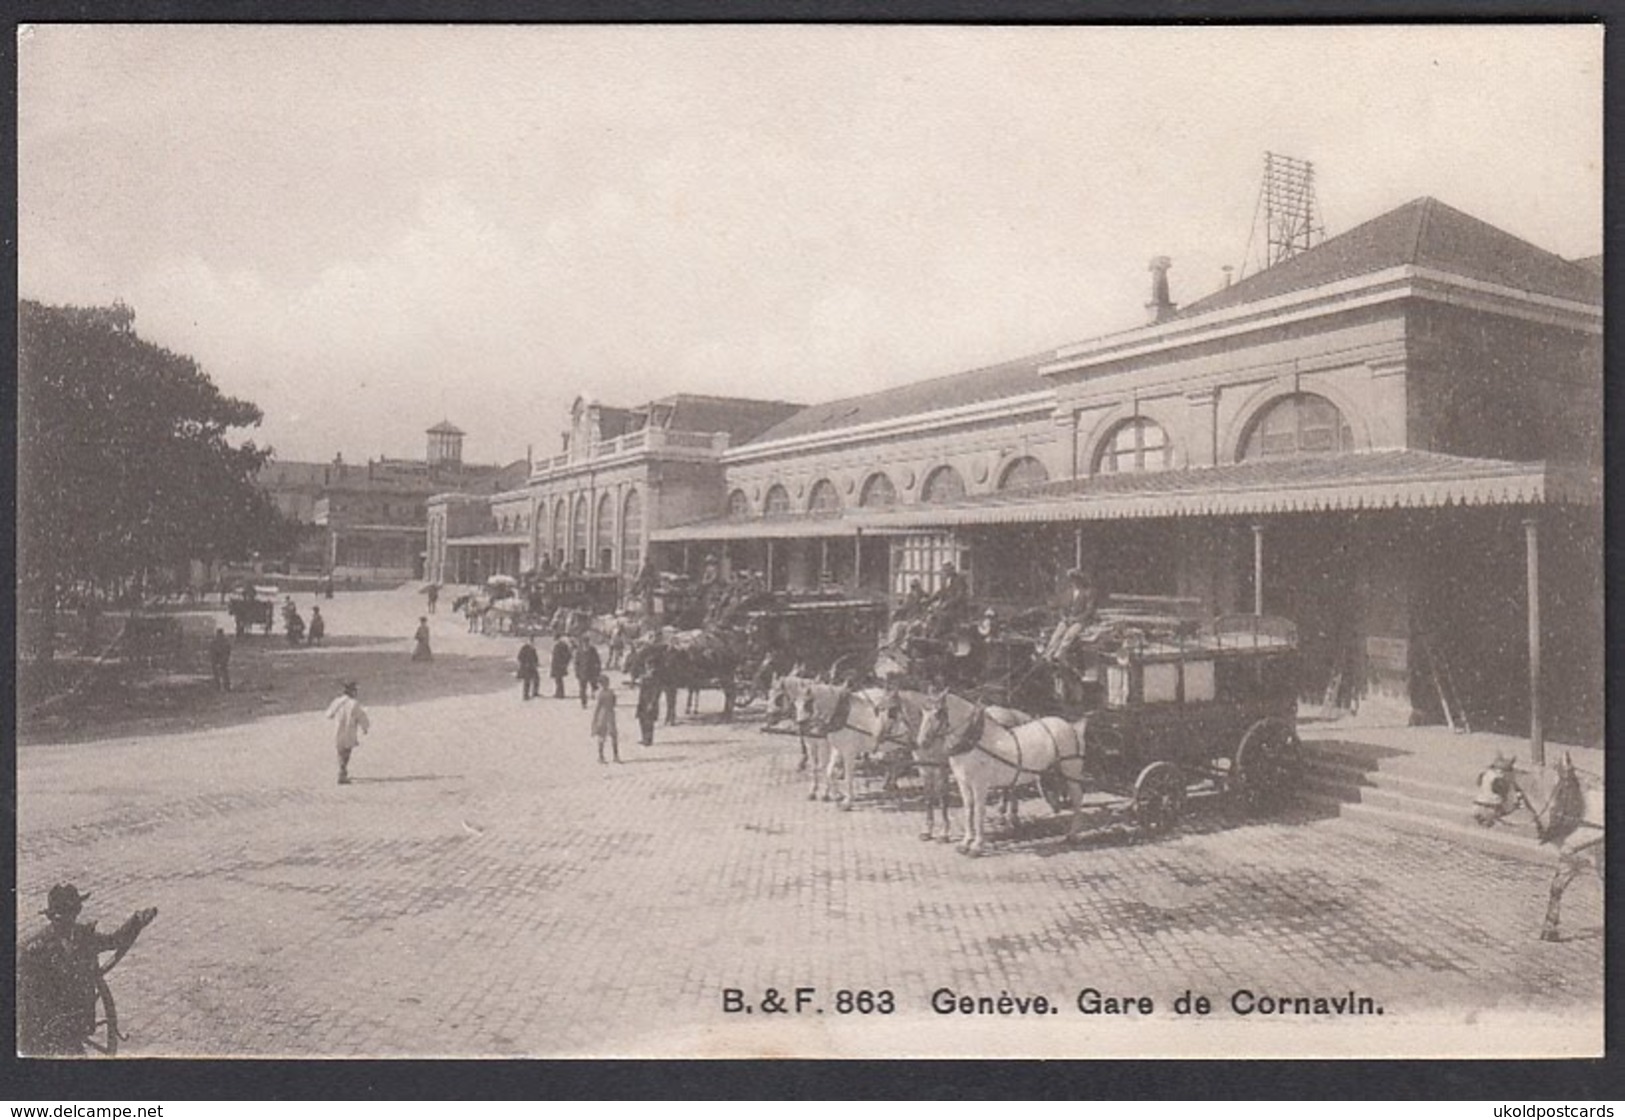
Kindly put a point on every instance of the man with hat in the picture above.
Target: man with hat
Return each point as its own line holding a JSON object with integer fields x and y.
{"x": 57, "y": 972}
{"x": 1077, "y": 613}
{"x": 951, "y": 602}
{"x": 352, "y": 720}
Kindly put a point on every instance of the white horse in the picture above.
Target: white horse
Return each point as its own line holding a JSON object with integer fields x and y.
{"x": 837, "y": 726}
{"x": 1570, "y": 818}
{"x": 984, "y": 755}
{"x": 936, "y": 776}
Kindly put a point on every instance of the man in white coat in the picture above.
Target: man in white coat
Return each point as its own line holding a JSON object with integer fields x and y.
{"x": 353, "y": 721}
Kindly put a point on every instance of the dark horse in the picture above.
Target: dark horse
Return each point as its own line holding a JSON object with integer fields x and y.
{"x": 691, "y": 660}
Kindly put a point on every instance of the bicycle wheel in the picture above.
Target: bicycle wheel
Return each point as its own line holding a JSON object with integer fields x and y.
{"x": 104, "y": 1039}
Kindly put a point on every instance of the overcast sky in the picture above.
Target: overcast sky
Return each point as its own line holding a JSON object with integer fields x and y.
{"x": 365, "y": 230}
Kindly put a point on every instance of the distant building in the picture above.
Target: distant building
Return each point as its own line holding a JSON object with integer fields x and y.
{"x": 369, "y": 519}
{"x": 593, "y": 506}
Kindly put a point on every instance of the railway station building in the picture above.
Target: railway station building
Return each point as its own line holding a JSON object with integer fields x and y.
{"x": 1393, "y": 438}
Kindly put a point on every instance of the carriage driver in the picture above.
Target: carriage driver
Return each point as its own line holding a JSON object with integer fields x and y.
{"x": 950, "y": 604}
{"x": 1076, "y": 615}
{"x": 57, "y": 970}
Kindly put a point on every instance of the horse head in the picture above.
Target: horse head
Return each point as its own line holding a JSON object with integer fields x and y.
{"x": 933, "y": 721}
{"x": 1499, "y": 794}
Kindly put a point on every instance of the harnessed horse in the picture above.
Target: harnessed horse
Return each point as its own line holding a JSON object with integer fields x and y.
{"x": 474, "y": 608}
{"x": 1570, "y": 818}
{"x": 836, "y": 723}
{"x": 936, "y": 776}
{"x": 983, "y": 755}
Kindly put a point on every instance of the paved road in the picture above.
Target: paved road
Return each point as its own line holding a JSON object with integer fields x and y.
{"x": 486, "y": 888}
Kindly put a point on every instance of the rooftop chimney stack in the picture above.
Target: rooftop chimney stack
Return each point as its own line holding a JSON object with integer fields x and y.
{"x": 1161, "y": 306}
{"x": 1229, "y": 274}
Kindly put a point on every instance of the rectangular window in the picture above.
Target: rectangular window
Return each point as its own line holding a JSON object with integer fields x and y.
{"x": 1117, "y": 682}
{"x": 1161, "y": 682}
{"x": 920, "y": 556}
{"x": 1199, "y": 681}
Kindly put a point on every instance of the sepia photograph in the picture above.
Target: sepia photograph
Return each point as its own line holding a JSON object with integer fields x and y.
{"x": 817, "y": 541}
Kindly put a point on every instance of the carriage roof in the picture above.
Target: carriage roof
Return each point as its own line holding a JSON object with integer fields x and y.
{"x": 1136, "y": 637}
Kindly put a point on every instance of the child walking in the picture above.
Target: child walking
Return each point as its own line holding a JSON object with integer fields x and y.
{"x": 603, "y": 720}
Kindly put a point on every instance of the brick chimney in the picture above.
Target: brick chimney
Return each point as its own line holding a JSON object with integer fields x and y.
{"x": 1161, "y": 306}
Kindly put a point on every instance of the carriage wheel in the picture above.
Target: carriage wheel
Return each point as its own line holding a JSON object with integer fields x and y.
{"x": 1268, "y": 766}
{"x": 104, "y": 1040}
{"x": 1159, "y": 797}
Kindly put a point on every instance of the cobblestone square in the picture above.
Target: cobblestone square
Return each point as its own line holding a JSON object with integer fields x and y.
{"x": 486, "y": 888}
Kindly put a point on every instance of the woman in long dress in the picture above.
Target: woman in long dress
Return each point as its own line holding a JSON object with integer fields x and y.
{"x": 420, "y": 652}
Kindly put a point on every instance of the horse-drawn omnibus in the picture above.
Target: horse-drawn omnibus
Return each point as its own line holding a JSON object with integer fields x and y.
{"x": 1169, "y": 707}
{"x": 830, "y": 636}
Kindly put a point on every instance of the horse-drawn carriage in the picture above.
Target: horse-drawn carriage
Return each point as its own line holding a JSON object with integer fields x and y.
{"x": 252, "y": 606}
{"x": 539, "y": 604}
{"x": 594, "y": 593}
{"x": 830, "y": 636}
{"x": 1166, "y": 713}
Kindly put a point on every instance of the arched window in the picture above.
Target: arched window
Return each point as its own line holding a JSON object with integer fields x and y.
{"x": 578, "y": 533}
{"x": 559, "y": 524}
{"x": 738, "y": 505}
{"x": 1025, "y": 471}
{"x": 824, "y": 498}
{"x": 778, "y": 502}
{"x": 604, "y": 535}
{"x": 942, "y": 485}
{"x": 1135, "y": 445}
{"x": 1302, "y": 424}
{"x": 632, "y": 533}
{"x": 878, "y": 493}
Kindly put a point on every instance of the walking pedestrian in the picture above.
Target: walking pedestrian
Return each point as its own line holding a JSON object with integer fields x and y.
{"x": 352, "y": 718}
{"x": 617, "y": 644}
{"x": 603, "y": 721}
{"x": 295, "y": 625}
{"x": 648, "y": 705}
{"x": 530, "y": 671}
{"x": 559, "y": 668}
{"x": 318, "y": 627}
{"x": 434, "y": 597}
{"x": 220, "y": 659}
{"x": 421, "y": 652}
{"x": 588, "y": 667}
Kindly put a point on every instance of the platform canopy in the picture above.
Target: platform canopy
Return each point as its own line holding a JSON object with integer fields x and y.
{"x": 487, "y": 539}
{"x": 1371, "y": 480}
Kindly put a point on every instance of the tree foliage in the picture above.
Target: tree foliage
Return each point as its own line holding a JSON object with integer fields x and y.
{"x": 124, "y": 460}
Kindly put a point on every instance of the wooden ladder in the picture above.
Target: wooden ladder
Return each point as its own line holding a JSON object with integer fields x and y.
{"x": 1445, "y": 685}
{"x": 1329, "y": 707}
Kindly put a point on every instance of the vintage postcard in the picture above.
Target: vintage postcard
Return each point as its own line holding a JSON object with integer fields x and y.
{"x": 810, "y": 541}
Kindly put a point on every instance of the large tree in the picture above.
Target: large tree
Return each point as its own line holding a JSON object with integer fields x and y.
{"x": 125, "y": 458}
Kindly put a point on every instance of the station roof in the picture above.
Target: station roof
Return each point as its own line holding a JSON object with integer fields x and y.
{"x": 989, "y": 383}
{"x": 1371, "y": 480}
{"x": 1423, "y": 232}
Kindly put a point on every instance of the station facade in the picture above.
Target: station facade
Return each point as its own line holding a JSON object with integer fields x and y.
{"x": 1393, "y": 438}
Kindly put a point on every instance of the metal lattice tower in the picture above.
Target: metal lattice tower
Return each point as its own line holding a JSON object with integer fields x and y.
{"x": 1288, "y": 210}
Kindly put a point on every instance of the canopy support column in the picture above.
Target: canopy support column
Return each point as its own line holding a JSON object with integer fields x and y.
{"x": 1258, "y": 569}
{"x": 1537, "y": 733}
{"x": 1077, "y": 547}
{"x": 857, "y": 559}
